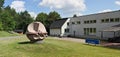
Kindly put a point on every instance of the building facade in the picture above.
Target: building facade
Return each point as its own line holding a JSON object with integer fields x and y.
{"x": 92, "y": 25}
{"x": 88, "y": 26}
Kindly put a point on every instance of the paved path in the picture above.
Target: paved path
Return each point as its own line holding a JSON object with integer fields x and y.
{"x": 70, "y": 39}
{"x": 10, "y": 37}
{"x": 102, "y": 43}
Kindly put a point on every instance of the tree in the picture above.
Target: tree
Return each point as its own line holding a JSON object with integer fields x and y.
{"x": 23, "y": 20}
{"x": 0, "y": 25}
{"x": 8, "y": 22}
{"x": 74, "y": 15}
{"x": 1, "y": 3}
{"x": 47, "y": 19}
{"x": 10, "y": 19}
{"x": 42, "y": 17}
{"x": 53, "y": 16}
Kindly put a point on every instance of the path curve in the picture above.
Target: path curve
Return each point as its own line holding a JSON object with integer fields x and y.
{"x": 10, "y": 37}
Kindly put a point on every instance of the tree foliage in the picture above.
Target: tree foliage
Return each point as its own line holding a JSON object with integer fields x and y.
{"x": 1, "y": 3}
{"x": 8, "y": 22}
{"x": 74, "y": 15}
{"x": 11, "y": 20}
{"x": 47, "y": 19}
{"x": 24, "y": 19}
{"x": 42, "y": 17}
{"x": 53, "y": 16}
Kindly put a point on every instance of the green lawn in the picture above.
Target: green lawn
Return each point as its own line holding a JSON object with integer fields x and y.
{"x": 5, "y": 34}
{"x": 53, "y": 48}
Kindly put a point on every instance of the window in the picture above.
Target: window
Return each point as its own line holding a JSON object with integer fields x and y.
{"x": 117, "y": 19}
{"x": 111, "y": 20}
{"x": 102, "y": 20}
{"x": 91, "y": 21}
{"x": 106, "y": 20}
{"x": 73, "y": 22}
{"x": 85, "y": 22}
{"x": 67, "y": 30}
{"x": 87, "y": 31}
{"x": 94, "y": 21}
{"x": 78, "y": 22}
{"x": 68, "y": 24}
{"x": 91, "y": 30}
{"x": 94, "y": 30}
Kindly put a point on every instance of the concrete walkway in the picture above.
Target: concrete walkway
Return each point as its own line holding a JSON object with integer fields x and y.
{"x": 102, "y": 43}
{"x": 10, "y": 37}
{"x": 70, "y": 39}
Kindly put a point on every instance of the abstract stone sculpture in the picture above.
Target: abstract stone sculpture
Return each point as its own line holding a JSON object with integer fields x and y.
{"x": 36, "y": 31}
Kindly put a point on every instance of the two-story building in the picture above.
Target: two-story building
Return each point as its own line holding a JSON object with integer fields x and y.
{"x": 100, "y": 25}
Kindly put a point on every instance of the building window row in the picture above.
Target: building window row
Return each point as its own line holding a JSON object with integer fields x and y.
{"x": 77, "y": 22}
{"x": 110, "y": 20}
{"x": 95, "y": 21}
{"x": 87, "y": 31}
{"x": 90, "y": 21}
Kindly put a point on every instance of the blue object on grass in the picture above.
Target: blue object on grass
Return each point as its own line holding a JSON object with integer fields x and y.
{"x": 92, "y": 41}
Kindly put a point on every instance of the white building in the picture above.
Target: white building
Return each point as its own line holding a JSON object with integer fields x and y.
{"x": 92, "y": 26}
{"x": 59, "y": 27}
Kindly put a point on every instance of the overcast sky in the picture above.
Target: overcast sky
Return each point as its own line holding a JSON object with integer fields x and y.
{"x": 67, "y": 8}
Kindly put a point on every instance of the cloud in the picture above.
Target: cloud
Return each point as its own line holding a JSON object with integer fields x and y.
{"x": 33, "y": 14}
{"x": 107, "y": 10}
{"x": 65, "y": 6}
{"x": 19, "y": 6}
{"x": 117, "y": 2}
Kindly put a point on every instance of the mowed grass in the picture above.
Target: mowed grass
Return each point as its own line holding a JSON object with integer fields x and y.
{"x": 53, "y": 48}
{"x": 5, "y": 34}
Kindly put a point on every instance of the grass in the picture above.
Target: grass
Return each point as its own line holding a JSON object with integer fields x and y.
{"x": 53, "y": 48}
{"x": 5, "y": 34}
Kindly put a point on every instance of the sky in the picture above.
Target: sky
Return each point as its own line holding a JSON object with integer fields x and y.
{"x": 66, "y": 8}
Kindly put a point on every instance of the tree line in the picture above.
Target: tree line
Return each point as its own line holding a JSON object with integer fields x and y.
{"x": 11, "y": 20}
